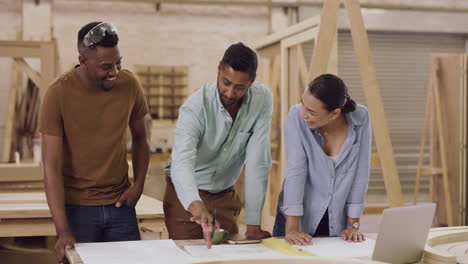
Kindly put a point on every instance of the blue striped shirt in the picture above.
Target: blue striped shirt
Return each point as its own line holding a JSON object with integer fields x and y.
{"x": 210, "y": 148}
{"x": 314, "y": 182}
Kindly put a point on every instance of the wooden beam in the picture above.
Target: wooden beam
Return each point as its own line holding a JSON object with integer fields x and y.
{"x": 27, "y": 227}
{"x": 48, "y": 66}
{"x": 333, "y": 59}
{"x": 294, "y": 87}
{"x": 307, "y": 35}
{"x": 464, "y": 132}
{"x": 375, "y": 160}
{"x": 430, "y": 171}
{"x": 32, "y": 74}
{"x": 422, "y": 145}
{"x": 73, "y": 257}
{"x": 275, "y": 182}
{"x": 20, "y": 48}
{"x": 326, "y": 35}
{"x": 284, "y": 104}
{"x": 374, "y": 104}
{"x": 441, "y": 134}
{"x": 304, "y": 73}
{"x": 270, "y": 51}
{"x": 11, "y": 113}
{"x": 298, "y": 3}
{"x": 292, "y": 30}
{"x": 20, "y": 172}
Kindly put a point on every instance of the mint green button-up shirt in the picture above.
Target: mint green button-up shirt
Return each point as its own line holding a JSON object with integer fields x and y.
{"x": 210, "y": 148}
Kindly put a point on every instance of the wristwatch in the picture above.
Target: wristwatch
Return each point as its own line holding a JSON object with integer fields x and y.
{"x": 354, "y": 225}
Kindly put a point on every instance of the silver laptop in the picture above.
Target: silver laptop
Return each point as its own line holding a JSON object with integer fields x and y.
{"x": 403, "y": 233}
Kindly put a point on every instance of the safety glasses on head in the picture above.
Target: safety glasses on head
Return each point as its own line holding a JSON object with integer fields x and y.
{"x": 97, "y": 34}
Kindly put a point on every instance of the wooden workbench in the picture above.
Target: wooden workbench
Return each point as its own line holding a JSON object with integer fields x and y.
{"x": 27, "y": 214}
{"x": 74, "y": 258}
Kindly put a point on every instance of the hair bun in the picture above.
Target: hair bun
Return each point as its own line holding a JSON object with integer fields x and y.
{"x": 350, "y": 106}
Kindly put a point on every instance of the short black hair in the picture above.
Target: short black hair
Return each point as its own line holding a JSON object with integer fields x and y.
{"x": 109, "y": 40}
{"x": 241, "y": 58}
{"x": 332, "y": 91}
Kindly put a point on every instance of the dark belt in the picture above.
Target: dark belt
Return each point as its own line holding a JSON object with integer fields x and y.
{"x": 229, "y": 189}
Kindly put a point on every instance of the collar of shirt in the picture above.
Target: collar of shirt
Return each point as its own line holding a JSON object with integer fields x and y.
{"x": 351, "y": 120}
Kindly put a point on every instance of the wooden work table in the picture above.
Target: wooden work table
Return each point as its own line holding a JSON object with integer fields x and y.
{"x": 27, "y": 214}
{"x": 74, "y": 258}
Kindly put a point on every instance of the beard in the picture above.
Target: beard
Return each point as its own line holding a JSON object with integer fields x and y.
{"x": 107, "y": 85}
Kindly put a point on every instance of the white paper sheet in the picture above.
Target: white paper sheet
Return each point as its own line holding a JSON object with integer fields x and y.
{"x": 133, "y": 252}
{"x": 232, "y": 251}
{"x": 338, "y": 248}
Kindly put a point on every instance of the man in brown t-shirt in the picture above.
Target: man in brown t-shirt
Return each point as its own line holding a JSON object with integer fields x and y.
{"x": 83, "y": 121}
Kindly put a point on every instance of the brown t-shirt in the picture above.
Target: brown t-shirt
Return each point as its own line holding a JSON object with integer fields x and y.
{"x": 92, "y": 123}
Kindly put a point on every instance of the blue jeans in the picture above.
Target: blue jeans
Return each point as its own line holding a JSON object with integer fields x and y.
{"x": 104, "y": 223}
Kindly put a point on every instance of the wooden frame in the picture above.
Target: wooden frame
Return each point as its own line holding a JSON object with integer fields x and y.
{"x": 446, "y": 108}
{"x": 323, "y": 32}
{"x": 46, "y": 51}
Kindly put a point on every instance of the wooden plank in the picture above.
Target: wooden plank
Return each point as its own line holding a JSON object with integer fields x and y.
{"x": 20, "y": 48}
{"x": 20, "y": 172}
{"x": 48, "y": 67}
{"x": 292, "y": 30}
{"x": 451, "y": 86}
{"x": 13, "y": 198}
{"x": 374, "y": 104}
{"x": 431, "y": 171}
{"x": 270, "y": 51}
{"x": 73, "y": 257}
{"x": 447, "y": 89}
{"x": 58, "y": 68}
{"x": 25, "y": 210}
{"x": 284, "y": 105}
{"x": 32, "y": 74}
{"x": 146, "y": 207}
{"x": 152, "y": 224}
{"x": 375, "y": 160}
{"x": 326, "y": 35}
{"x": 21, "y": 186}
{"x": 275, "y": 180}
{"x": 422, "y": 145}
{"x": 304, "y": 73}
{"x": 11, "y": 113}
{"x": 308, "y": 35}
{"x": 333, "y": 60}
{"x": 263, "y": 70}
{"x": 295, "y": 92}
{"x": 464, "y": 134}
{"x": 27, "y": 227}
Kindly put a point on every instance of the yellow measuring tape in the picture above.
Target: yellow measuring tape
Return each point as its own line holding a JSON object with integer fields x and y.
{"x": 285, "y": 248}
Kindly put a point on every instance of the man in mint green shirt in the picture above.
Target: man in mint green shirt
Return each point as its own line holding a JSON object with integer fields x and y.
{"x": 221, "y": 127}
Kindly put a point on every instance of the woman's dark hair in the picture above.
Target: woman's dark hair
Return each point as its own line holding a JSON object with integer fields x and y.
{"x": 332, "y": 91}
{"x": 241, "y": 58}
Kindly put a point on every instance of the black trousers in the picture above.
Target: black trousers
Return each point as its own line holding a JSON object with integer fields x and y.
{"x": 280, "y": 223}
{"x": 323, "y": 227}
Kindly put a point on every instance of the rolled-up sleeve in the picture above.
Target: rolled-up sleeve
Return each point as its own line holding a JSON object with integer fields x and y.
{"x": 296, "y": 166}
{"x": 356, "y": 198}
{"x": 188, "y": 133}
{"x": 258, "y": 165}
